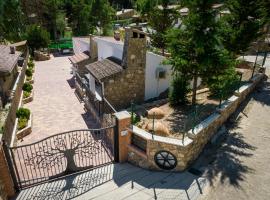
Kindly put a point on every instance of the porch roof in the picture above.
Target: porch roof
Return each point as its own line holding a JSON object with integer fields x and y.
{"x": 7, "y": 60}
{"x": 105, "y": 68}
{"x": 78, "y": 58}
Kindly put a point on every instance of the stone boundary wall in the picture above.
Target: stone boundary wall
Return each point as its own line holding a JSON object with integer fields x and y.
{"x": 187, "y": 150}
{"x": 15, "y": 102}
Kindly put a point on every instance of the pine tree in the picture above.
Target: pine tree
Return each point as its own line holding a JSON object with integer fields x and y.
{"x": 195, "y": 47}
{"x": 161, "y": 17}
{"x": 242, "y": 26}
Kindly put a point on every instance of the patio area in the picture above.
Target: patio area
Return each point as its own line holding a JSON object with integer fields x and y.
{"x": 55, "y": 107}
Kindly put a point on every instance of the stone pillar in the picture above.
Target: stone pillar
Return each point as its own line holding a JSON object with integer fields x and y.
{"x": 124, "y": 136}
{"x": 6, "y": 182}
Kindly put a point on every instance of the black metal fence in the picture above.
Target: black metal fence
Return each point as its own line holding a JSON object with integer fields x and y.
{"x": 61, "y": 154}
{"x": 99, "y": 107}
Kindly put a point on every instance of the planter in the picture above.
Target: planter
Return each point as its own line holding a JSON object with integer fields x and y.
{"x": 26, "y": 130}
{"x": 30, "y": 81}
{"x": 29, "y": 99}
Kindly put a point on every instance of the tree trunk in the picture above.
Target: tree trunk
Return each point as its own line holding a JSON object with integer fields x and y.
{"x": 194, "y": 89}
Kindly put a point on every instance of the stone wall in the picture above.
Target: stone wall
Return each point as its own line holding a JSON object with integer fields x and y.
{"x": 8, "y": 81}
{"x": 128, "y": 85}
{"x": 15, "y": 102}
{"x": 187, "y": 150}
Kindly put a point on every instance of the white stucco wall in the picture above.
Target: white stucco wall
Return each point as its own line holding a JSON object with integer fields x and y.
{"x": 153, "y": 85}
{"x": 80, "y": 44}
{"x": 109, "y": 47}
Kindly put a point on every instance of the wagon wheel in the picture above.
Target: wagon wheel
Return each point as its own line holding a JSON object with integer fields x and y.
{"x": 165, "y": 160}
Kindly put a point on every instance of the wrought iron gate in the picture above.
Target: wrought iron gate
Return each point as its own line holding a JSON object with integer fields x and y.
{"x": 61, "y": 154}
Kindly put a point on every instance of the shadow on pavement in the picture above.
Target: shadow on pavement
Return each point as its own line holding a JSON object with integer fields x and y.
{"x": 131, "y": 178}
{"x": 223, "y": 160}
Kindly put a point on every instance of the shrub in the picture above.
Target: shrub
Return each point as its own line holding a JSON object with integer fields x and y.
{"x": 28, "y": 78}
{"x": 22, "y": 123}
{"x": 37, "y": 37}
{"x": 224, "y": 85}
{"x": 27, "y": 87}
{"x": 26, "y": 94}
{"x": 23, "y": 113}
{"x": 179, "y": 90}
{"x": 29, "y": 72}
{"x": 31, "y": 64}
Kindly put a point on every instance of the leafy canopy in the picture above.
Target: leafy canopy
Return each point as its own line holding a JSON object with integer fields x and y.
{"x": 37, "y": 37}
{"x": 242, "y": 26}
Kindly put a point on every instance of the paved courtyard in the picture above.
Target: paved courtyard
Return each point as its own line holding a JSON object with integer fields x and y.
{"x": 55, "y": 108}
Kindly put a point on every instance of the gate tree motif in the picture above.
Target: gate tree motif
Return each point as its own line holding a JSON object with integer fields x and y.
{"x": 62, "y": 154}
{"x": 66, "y": 147}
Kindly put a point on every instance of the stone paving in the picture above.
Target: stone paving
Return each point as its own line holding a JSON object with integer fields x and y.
{"x": 240, "y": 167}
{"x": 119, "y": 181}
{"x": 55, "y": 108}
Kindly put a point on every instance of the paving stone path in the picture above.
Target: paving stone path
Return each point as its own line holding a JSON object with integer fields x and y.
{"x": 55, "y": 107}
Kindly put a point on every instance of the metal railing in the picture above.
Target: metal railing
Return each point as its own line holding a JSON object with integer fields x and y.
{"x": 61, "y": 154}
{"x": 102, "y": 109}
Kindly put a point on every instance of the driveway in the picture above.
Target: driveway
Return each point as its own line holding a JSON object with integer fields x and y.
{"x": 239, "y": 168}
{"x": 55, "y": 108}
{"x": 119, "y": 181}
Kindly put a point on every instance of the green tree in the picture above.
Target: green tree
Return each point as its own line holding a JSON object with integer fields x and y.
{"x": 195, "y": 47}
{"x": 146, "y": 6}
{"x": 80, "y": 18}
{"x": 61, "y": 23}
{"x": 161, "y": 17}
{"x": 102, "y": 15}
{"x": 12, "y": 20}
{"x": 179, "y": 89}
{"x": 37, "y": 37}
{"x": 51, "y": 14}
{"x": 242, "y": 26}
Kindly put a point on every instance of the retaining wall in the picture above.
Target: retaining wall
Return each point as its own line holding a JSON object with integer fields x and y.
{"x": 187, "y": 150}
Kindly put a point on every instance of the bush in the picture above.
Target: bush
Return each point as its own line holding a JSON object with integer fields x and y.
{"x": 37, "y": 37}
{"x": 23, "y": 113}
{"x": 22, "y": 123}
{"x": 26, "y": 94}
{"x": 31, "y": 64}
{"x": 224, "y": 85}
{"x": 179, "y": 90}
{"x": 27, "y": 87}
{"x": 28, "y": 78}
{"x": 29, "y": 72}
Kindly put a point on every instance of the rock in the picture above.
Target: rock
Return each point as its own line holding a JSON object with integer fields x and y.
{"x": 156, "y": 113}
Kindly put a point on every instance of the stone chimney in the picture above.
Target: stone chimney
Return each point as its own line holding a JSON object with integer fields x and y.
{"x": 134, "y": 52}
{"x": 12, "y": 49}
{"x": 93, "y": 49}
